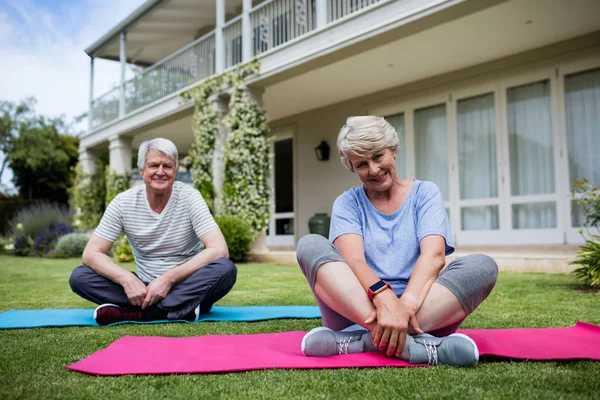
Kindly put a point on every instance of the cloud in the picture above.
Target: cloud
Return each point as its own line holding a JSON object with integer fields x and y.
{"x": 42, "y": 46}
{"x": 42, "y": 50}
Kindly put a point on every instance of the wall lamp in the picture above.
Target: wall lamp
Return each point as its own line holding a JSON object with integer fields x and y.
{"x": 322, "y": 151}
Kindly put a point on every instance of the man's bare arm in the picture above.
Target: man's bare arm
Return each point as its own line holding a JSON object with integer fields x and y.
{"x": 96, "y": 257}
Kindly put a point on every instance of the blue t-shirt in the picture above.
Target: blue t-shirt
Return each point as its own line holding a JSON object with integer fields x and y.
{"x": 391, "y": 242}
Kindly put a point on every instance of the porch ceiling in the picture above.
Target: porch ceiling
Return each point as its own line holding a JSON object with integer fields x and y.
{"x": 160, "y": 27}
{"x": 505, "y": 29}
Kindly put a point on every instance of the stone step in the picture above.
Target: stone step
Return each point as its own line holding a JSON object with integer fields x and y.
{"x": 549, "y": 259}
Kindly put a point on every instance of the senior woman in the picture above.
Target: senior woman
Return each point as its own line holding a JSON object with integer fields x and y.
{"x": 377, "y": 279}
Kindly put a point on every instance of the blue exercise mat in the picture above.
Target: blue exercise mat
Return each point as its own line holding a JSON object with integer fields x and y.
{"x": 20, "y": 319}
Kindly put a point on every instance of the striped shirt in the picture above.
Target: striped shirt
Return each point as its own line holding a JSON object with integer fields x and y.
{"x": 159, "y": 241}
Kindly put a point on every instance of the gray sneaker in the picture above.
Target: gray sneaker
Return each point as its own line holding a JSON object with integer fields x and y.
{"x": 324, "y": 342}
{"x": 456, "y": 349}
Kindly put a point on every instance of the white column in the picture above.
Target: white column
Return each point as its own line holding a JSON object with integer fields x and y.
{"x": 88, "y": 161}
{"x": 219, "y": 38}
{"x": 321, "y": 10}
{"x": 120, "y": 155}
{"x": 123, "y": 58}
{"x": 256, "y": 94}
{"x": 218, "y": 162}
{"x": 246, "y": 31}
{"x": 91, "y": 110}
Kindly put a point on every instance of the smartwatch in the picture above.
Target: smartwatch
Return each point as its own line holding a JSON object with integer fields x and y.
{"x": 377, "y": 288}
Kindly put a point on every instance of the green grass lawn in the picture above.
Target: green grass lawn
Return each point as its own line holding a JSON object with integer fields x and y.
{"x": 32, "y": 361}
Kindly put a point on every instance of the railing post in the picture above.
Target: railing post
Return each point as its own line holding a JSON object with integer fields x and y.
{"x": 123, "y": 58}
{"x": 91, "y": 110}
{"x": 219, "y": 38}
{"x": 246, "y": 31}
{"x": 321, "y": 9}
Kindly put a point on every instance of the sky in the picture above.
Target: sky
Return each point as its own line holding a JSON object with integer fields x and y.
{"x": 42, "y": 54}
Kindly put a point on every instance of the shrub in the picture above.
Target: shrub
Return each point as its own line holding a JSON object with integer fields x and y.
{"x": 588, "y": 255}
{"x": 8, "y": 208}
{"x": 47, "y": 238}
{"x": 589, "y": 201}
{"x": 121, "y": 250}
{"x": 71, "y": 245}
{"x": 238, "y": 235}
{"x": 22, "y": 246}
{"x": 28, "y": 224}
{"x": 30, "y": 221}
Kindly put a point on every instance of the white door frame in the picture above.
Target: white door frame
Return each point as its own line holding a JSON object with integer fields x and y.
{"x": 272, "y": 239}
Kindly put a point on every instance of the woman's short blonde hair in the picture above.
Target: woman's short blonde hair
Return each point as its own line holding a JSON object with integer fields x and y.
{"x": 365, "y": 135}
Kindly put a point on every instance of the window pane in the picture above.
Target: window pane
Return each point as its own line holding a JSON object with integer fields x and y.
{"x": 397, "y": 121}
{"x": 431, "y": 147}
{"x": 534, "y": 216}
{"x": 577, "y": 216}
{"x": 477, "y": 147}
{"x": 284, "y": 176}
{"x": 582, "y": 101}
{"x": 284, "y": 226}
{"x": 482, "y": 218}
{"x": 530, "y": 137}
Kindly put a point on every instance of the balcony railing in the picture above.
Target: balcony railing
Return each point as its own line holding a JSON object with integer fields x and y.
{"x": 278, "y": 21}
{"x": 272, "y": 23}
{"x": 232, "y": 32}
{"x": 340, "y": 8}
{"x": 186, "y": 66}
{"x": 106, "y": 107}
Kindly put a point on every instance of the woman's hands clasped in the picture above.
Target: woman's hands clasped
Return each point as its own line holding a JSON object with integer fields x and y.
{"x": 392, "y": 317}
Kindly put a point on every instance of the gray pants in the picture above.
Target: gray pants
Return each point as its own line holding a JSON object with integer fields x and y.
{"x": 470, "y": 279}
{"x": 204, "y": 288}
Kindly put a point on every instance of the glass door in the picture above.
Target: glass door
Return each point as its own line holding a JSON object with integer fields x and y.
{"x": 581, "y": 105}
{"x": 281, "y": 227}
{"x": 478, "y": 154}
{"x": 531, "y": 141}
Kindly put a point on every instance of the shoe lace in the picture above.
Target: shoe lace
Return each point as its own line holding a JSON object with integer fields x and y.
{"x": 432, "y": 355}
{"x": 343, "y": 345}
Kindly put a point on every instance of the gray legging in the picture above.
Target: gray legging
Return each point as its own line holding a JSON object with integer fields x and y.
{"x": 470, "y": 279}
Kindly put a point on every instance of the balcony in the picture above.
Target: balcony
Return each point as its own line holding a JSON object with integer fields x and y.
{"x": 255, "y": 31}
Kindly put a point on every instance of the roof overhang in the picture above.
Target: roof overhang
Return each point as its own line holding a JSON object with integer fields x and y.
{"x": 158, "y": 28}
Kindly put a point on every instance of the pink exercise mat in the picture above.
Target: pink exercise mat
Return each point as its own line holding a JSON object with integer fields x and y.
{"x": 227, "y": 353}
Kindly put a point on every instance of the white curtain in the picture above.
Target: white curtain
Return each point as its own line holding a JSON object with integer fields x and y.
{"x": 531, "y": 153}
{"x": 481, "y": 218}
{"x": 534, "y": 216}
{"x": 477, "y": 160}
{"x": 582, "y": 100}
{"x": 431, "y": 146}
{"x": 397, "y": 121}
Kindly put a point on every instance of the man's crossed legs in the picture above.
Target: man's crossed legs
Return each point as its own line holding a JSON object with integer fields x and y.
{"x": 186, "y": 300}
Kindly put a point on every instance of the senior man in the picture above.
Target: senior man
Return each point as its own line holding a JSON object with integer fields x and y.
{"x": 182, "y": 258}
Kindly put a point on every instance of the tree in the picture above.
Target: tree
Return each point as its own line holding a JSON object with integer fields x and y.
{"x": 14, "y": 118}
{"x": 39, "y": 152}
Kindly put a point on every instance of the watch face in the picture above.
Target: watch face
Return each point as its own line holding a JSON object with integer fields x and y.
{"x": 377, "y": 286}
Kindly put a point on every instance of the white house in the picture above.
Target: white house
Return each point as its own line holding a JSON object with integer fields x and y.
{"x": 496, "y": 101}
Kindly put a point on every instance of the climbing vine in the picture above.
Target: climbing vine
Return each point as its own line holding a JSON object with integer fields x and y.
{"x": 205, "y": 127}
{"x": 89, "y": 192}
{"x": 245, "y": 190}
{"x": 115, "y": 184}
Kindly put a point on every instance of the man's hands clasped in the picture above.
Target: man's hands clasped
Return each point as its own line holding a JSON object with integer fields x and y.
{"x": 392, "y": 317}
{"x": 144, "y": 296}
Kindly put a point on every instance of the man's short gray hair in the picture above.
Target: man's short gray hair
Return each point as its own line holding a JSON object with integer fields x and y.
{"x": 165, "y": 146}
{"x": 365, "y": 135}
